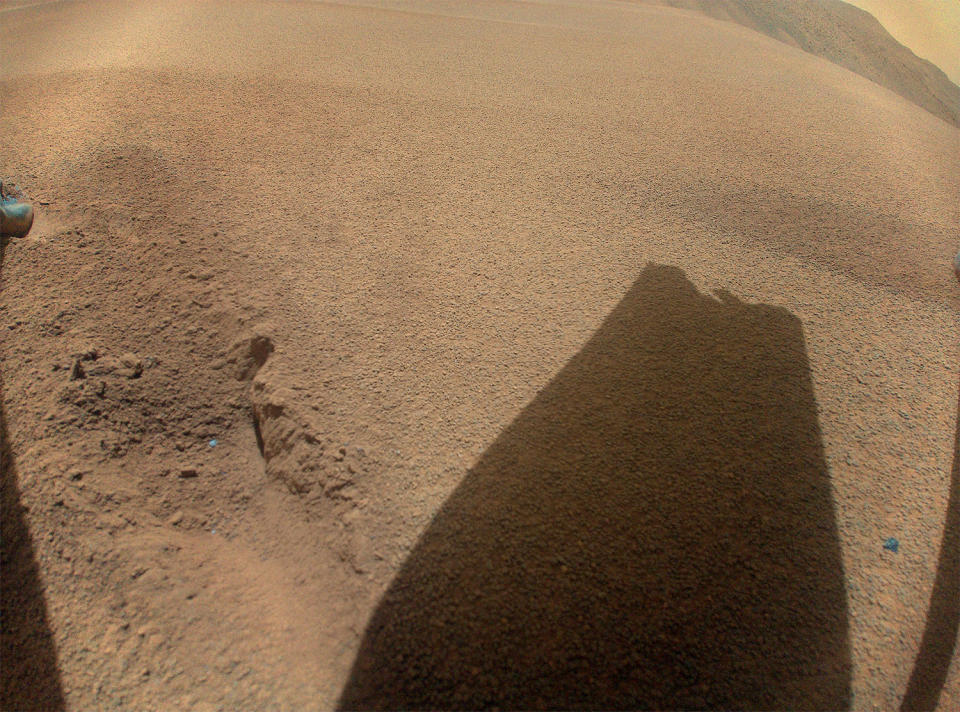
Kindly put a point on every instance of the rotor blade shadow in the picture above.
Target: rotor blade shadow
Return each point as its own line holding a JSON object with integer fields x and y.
{"x": 655, "y": 530}
{"x": 939, "y": 642}
{"x": 29, "y": 677}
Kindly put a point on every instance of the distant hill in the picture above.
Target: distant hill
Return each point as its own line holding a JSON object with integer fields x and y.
{"x": 845, "y": 35}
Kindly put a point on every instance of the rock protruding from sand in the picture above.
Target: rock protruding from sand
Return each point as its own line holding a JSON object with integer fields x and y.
{"x": 293, "y": 446}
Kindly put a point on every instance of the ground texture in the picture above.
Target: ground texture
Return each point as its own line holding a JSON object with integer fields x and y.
{"x": 461, "y": 354}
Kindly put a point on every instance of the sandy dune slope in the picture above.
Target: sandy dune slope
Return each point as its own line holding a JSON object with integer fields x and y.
{"x": 848, "y": 36}
{"x": 457, "y": 354}
{"x": 928, "y": 27}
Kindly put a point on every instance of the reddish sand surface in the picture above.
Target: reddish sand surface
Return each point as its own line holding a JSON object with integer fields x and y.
{"x": 468, "y": 355}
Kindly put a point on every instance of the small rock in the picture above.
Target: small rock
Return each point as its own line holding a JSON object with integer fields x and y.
{"x": 77, "y": 372}
{"x": 176, "y": 518}
{"x": 188, "y": 472}
{"x": 104, "y": 366}
{"x": 131, "y": 366}
{"x": 249, "y": 354}
{"x": 86, "y": 353}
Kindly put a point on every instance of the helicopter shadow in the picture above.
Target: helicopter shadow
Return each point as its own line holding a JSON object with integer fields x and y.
{"x": 655, "y": 530}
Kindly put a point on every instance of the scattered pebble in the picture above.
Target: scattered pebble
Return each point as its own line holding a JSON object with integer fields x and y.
{"x": 213, "y": 442}
{"x": 891, "y": 544}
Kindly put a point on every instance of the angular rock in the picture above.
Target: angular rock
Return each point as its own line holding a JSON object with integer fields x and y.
{"x": 130, "y": 366}
{"x": 291, "y": 444}
{"x": 249, "y": 354}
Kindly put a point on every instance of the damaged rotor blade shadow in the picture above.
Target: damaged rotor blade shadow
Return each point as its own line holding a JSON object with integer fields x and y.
{"x": 655, "y": 530}
{"x": 28, "y": 659}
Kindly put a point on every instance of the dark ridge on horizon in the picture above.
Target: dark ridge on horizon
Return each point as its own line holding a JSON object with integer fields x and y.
{"x": 845, "y": 35}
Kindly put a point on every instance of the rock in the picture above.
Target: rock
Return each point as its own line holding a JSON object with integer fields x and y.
{"x": 103, "y": 366}
{"x": 956, "y": 265}
{"x": 188, "y": 472}
{"x": 292, "y": 448}
{"x": 86, "y": 353}
{"x": 176, "y": 518}
{"x": 130, "y": 366}
{"x": 77, "y": 372}
{"x": 249, "y": 354}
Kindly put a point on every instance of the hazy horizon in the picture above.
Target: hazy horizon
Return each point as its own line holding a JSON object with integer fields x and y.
{"x": 930, "y": 28}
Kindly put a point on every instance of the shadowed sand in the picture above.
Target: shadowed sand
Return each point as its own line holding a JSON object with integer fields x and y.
{"x": 654, "y": 531}
{"x": 939, "y": 643}
{"x": 29, "y": 677}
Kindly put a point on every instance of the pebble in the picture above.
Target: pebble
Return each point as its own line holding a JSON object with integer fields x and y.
{"x": 131, "y": 366}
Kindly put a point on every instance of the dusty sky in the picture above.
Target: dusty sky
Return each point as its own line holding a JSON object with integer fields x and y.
{"x": 931, "y": 28}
